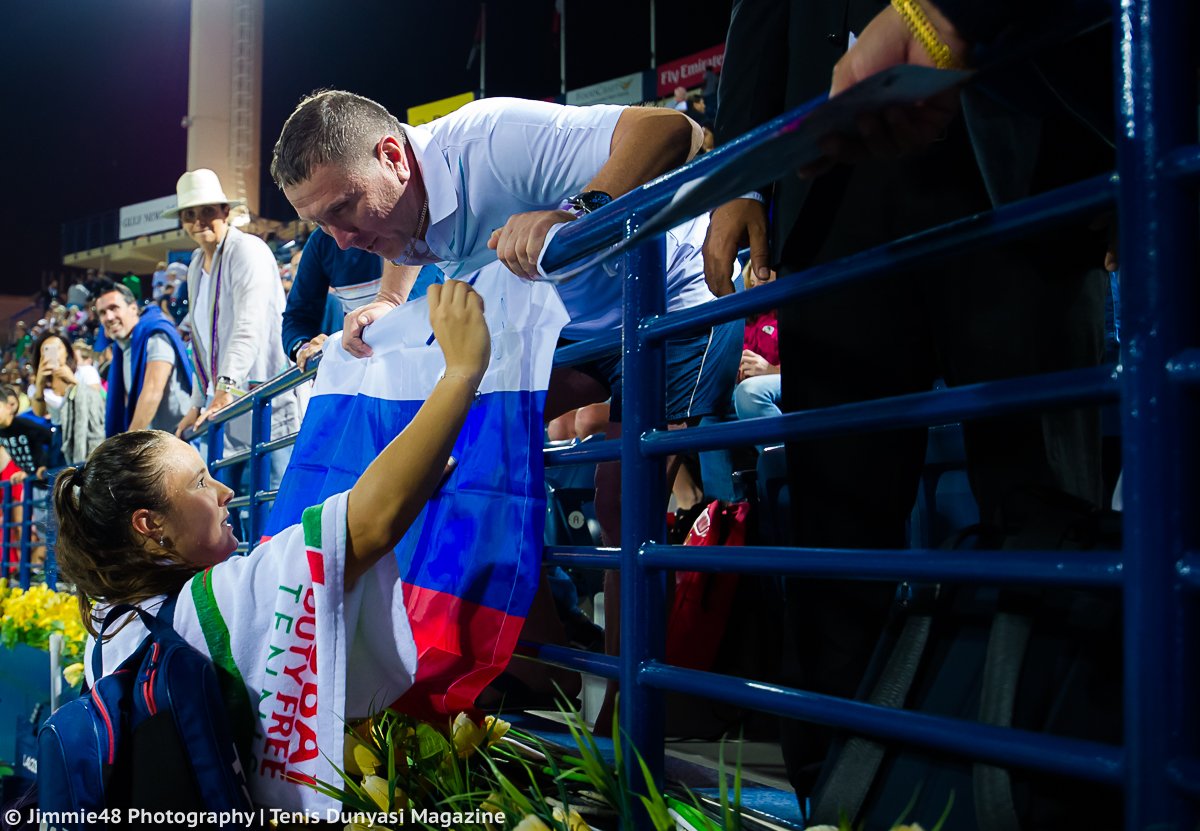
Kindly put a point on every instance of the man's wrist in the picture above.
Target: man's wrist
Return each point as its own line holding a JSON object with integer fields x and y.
{"x": 227, "y": 385}
{"x": 388, "y": 297}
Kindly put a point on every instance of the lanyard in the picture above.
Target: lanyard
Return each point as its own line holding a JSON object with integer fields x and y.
{"x": 218, "y": 265}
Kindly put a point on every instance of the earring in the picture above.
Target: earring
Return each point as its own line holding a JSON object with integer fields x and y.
{"x": 162, "y": 541}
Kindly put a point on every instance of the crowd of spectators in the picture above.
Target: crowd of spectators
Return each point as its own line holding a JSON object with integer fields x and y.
{"x": 56, "y": 368}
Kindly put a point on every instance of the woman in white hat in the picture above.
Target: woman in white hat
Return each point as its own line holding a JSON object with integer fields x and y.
{"x": 235, "y": 314}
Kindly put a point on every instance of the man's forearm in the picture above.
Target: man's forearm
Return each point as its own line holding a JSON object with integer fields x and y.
{"x": 147, "y": 406}
{"x": 399, "y": 280}
{"x": 396, "y": 282}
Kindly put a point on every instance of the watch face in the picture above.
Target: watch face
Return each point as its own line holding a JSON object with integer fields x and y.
{"x": 592, "y": 200}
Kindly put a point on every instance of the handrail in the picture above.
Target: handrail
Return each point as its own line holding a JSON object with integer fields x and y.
{"x": 1154, "y": 190}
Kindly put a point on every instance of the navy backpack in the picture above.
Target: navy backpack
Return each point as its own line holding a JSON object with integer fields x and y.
{"x": 155, "y": 734}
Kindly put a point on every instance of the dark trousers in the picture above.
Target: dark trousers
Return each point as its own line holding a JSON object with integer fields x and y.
{"x": 1023, "y": 308}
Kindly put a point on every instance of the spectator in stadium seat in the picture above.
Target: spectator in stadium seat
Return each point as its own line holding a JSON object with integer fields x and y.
{"x": 149, "y": 376}
{"x": 980, "y": 316}
{"x": 75, "y": 408}
{"x": 158, "y": 281}
{"x": 757, "y": 392}
{"x": 28, "y": 441}
{"x": 85, "y": 366}
{"x": 680, "y": 103}
{"x": 235, "y": 316}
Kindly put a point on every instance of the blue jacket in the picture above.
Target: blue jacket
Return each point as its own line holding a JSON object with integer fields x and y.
{"x": 119, "y": 414}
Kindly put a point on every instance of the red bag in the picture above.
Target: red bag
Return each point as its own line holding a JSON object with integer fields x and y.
{"x": 702, "y": 602}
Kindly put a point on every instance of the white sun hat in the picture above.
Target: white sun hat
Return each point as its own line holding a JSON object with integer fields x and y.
{"x": 199, "y": 187}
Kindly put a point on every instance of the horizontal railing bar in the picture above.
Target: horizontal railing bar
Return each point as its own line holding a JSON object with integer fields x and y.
{"x": 1184, "y": 368}
{"x": 599, "y": 347}
{"x": 1004, "y": 745}
{"x": 277, "y": 444}
{"x": 564, "y": 656}
{"x": 1074, "y": 568}
{"x": 581, "y": 556}
{"x": 952, "y": 238}
{"x": 231, "y": 459}
{"x": 1182, "y": 163}
{"x": 284, "y": 381}
{"x": 591, "y": 452}
{"x": 243, "y": 501}
{"x": 606, "y": 226}
{"x": 990, "y": 398}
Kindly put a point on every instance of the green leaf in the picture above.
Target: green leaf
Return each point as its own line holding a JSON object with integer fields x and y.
{"x": 945, "y": 813}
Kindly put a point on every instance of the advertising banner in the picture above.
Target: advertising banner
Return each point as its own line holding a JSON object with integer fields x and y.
{"x": 425, "y": 113}
{"x": 146, "y": 217}
{"x": 628, "y": 89}
{"x": 689, "y": 72}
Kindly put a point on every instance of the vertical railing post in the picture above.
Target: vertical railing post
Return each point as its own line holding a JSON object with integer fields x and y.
{"x": 24, "y": 571}
{"x": 643, "y": 512}
{"x": 260, "y": 467}
{"x": 216, "y": 449}
{"x": 6, "y": 523}
{"x": 50, "y": 567}
{"x": 1156, "y": 111}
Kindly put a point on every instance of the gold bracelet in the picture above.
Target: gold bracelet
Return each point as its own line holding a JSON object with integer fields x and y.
{"x": 925, "y": 33}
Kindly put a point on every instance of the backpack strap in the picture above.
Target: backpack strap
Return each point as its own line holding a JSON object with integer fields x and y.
{"x": 115, "y": 613}
{"x": 233, "y": 686}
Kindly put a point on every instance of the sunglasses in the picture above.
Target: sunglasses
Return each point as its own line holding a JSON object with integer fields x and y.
{"x": 204, "y": 212}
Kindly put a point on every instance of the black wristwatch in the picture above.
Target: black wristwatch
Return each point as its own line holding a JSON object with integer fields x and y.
{"x": 585, "y": 203}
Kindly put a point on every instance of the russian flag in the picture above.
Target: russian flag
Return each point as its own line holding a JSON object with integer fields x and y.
{"x": 470, "y": 562}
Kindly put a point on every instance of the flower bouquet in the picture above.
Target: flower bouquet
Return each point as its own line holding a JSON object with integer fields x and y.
{"x": 484, "y": 775}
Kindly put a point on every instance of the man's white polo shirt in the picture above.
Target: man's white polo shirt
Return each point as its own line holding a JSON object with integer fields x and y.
{"x": 498, "y": 157}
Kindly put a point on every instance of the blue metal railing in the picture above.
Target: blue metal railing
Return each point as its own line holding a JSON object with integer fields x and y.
{"x": 1157, "y": 764}
{"x": 21, "y": 520}
{"x": 259, "y": 495}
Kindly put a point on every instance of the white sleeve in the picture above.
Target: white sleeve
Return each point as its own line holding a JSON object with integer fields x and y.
{"x": 253, "y": 277}
{"x": 543, "y": 152}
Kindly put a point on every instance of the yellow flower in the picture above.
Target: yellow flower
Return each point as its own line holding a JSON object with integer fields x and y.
{"x": 377, "y": 788}
{"x": 573, "y": 820}
{"x": 531, "y": 823}
{"x": 495, "y": 729}
{"x": 73, "y": 674}
{"x": 465, "y": 735}
{"x": 359, "y": 757}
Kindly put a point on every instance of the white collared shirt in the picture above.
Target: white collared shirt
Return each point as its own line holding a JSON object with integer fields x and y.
{"x": 498, "y": 157}
{"x": 502, "y": 156}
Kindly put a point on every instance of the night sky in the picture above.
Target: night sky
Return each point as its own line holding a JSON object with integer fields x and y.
{"x": 96, "y": 90}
